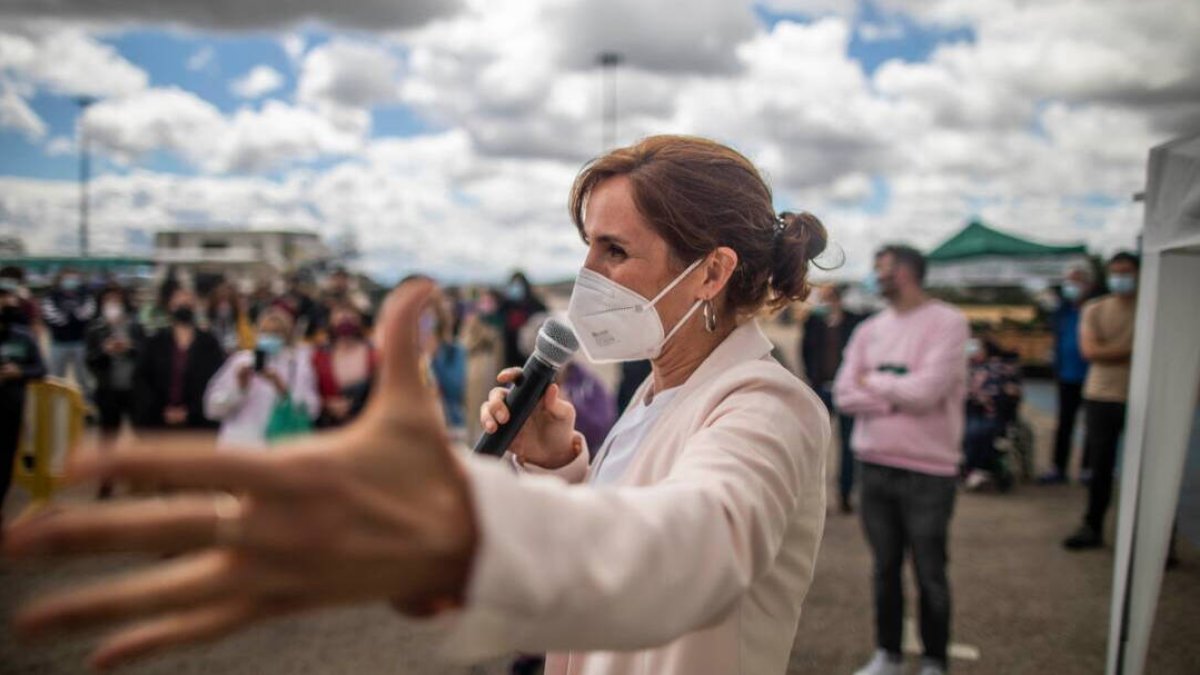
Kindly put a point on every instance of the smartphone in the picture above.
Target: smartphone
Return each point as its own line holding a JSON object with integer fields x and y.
{"x": 260, "y": 360}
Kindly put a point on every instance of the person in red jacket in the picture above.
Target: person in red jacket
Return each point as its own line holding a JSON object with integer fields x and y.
{"x": 344, "y": 367}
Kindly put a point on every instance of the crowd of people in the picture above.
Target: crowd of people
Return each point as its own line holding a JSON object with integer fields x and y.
{"x": 258, "y": 366}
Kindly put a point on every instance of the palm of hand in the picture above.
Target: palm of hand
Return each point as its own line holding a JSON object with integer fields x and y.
{"x": 378, "y": 510}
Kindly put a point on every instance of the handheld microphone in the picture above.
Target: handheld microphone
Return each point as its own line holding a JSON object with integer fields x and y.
{"x": 556, "y": 343}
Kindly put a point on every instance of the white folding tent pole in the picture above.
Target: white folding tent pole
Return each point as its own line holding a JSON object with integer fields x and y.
{"x": 1166, "y": 369}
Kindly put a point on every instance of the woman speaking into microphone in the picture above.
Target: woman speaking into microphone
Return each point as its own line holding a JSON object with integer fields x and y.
{"x": 686, "y": 545}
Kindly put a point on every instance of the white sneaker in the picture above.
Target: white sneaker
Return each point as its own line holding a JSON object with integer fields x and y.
{"x": 881, "y": 665}
{"x": 931, "y": 668}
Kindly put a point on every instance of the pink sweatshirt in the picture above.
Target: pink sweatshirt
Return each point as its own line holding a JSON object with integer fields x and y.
{"x": 903, "y": 377}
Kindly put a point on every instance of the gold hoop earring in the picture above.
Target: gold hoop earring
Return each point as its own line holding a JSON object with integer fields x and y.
{"x": 710, "y": 316}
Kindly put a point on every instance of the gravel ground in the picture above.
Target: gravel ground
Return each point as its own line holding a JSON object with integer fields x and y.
{"x": 1021, "y": 603}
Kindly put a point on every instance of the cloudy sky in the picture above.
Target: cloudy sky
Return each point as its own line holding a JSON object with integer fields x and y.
{"x": 445, "y": 135}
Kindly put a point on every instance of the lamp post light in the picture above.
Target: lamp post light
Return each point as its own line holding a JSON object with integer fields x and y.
{"x": 608, "y": 63}
{"x": 85, "y": 169}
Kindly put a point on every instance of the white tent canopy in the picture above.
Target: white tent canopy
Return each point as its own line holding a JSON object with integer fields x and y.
{"x": 1162, "y": 396}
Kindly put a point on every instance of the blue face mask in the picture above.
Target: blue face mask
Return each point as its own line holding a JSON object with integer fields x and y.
{"x": 1072, "y": 292}
{"x": 70, "y": 283}
{"x": 515, "y": 291}
{"x": 1123, "y": 284}
{"x": 871, "y": 283}
{"x": 269, "y": 344}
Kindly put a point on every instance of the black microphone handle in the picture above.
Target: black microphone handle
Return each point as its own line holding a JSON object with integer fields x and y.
{"x": 521, "y": 401}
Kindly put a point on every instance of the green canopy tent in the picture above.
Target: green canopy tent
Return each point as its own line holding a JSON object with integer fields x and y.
{"x": 979, "y": 255}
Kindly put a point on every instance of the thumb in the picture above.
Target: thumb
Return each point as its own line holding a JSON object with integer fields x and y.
{"x": 400, "y": 370}
{"x": 555, "y": 405}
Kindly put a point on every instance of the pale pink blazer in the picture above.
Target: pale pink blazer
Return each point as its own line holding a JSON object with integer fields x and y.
{"x": 697, "y": 562}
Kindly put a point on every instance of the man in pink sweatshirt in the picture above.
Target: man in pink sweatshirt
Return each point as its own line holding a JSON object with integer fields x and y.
{"x": 903, "y": 377}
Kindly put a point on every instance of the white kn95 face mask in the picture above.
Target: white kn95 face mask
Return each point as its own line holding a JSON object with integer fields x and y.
{"x": 614, "y": 323}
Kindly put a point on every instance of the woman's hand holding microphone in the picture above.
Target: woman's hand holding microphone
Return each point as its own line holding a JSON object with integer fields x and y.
{"x": 547, "y": 439}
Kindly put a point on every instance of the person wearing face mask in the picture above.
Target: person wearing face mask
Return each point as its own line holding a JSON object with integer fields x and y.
{"x": 174, "y": 368}
{"x": 344, "y": 367}
{"x": 903, "y": 377}
{"x": 1106, "y": 341}
{"x": 248, "y": 390}
{"x": 1070, "y": 370}
{"x": 20, "y": 362}
{"x": 519, "y": 303}
{"x": 12, "y": 279}
{"x": 227, "y": 319}
{"x": 113, "y": 342}
{"x": 686, "y": 546}
{"x": 826, "y": 332}
{"x": 67, "y": 310}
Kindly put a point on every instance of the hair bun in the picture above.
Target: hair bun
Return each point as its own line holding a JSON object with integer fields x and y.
{"x": 799, "y": 238}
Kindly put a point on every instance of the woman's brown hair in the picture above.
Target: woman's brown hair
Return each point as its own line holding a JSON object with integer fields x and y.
{"x": 699, "y": 195}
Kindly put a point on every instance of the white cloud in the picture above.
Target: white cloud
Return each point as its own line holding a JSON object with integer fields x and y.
{"x": 417, "y": 204}
{"x": 293, "y": 45}
{"x": 362, "y": 14}
{"x": 16, "y": 114}
{"x": 68, "y": 61}
{"x": 179, "y": 122}
{"x": 878, "y": 32}
{"x": 60, "y": 146}
{"x": 257, "y": 82}
{"x": 201, "y": 60}
{"x": 699, "y": 37}
{"x": 347, "y": 74}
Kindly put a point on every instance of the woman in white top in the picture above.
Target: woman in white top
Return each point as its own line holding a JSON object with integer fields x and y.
{"x": 691, "y": 554}
{"x": 246, "y": 390}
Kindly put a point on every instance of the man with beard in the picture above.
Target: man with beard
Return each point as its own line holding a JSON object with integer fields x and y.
{"x": 903, "y": 378}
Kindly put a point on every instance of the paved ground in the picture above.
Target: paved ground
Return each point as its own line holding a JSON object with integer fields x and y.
{"x": 1024, "y": 604}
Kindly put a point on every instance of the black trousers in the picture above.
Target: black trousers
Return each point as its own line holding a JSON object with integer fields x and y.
{"x": 1105, "y": 422}
{"x": 12, "y": 412}
{"x": 908, "y": 512}
{"x": 1070, "y": 395}
{"x": 114, "y": 406}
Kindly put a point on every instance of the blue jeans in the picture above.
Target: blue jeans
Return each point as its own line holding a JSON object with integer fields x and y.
{"x": 845, "y": 428}
{"x": 905, "y": 512}
{"x": 979, "y": 443}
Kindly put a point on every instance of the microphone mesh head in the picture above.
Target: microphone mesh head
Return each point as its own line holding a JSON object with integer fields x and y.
{"x": 556, "y": 343}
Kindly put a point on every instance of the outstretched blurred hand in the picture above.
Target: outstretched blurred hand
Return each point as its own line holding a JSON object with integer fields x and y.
{"x": 377, "y": 510}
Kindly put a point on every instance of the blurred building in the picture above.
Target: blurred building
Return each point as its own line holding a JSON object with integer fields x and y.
{"x": 244, "y": 256}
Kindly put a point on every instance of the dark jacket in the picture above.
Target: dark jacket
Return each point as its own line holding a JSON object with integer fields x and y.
{"x": 68, "y": 314}
{"x": 99, "y": 361}
{"x": 817, "y": 335}
{"x": 152, "y": 377}
{"x": 17, "y": 345}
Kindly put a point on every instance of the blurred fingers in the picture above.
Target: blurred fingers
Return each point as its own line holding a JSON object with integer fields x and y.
{"x": 508, "y": 375}
{"x": 202, "y": 624}
{"x": 179, "y": 583}
{"x": 148, "y": 525}
{"x": 494, "y": 412}
{"x": 186, "y": 467}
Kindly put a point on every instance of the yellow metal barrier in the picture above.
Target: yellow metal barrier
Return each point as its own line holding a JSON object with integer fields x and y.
{"x": 53, "y": 426}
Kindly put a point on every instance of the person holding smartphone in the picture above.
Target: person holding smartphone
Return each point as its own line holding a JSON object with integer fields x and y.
{"x": 246, "y": 391}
